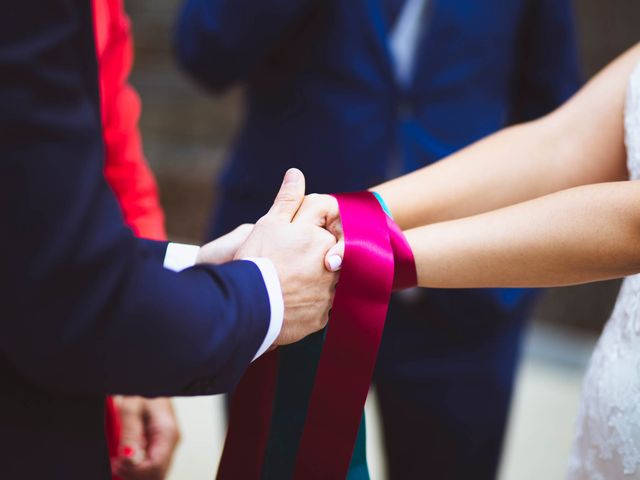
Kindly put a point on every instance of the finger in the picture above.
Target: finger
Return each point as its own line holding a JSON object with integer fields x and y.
{"x": 224, "y": 248}
{"x": 162, "y": 432}
{"x": 132, "y": 438}
{"x": 161, "y": 437}
{"x": 160, "y": 452}
{"x": 319, "y": 210}
{"x": 162, "y": 445}
{"x": 289, "y": 197}
{"x": 243, "y": 231}
{"x": 334, "y": 257}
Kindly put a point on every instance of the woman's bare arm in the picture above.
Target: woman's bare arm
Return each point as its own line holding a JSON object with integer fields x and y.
{"x": 564, "y": 237}
{"x": 575, "y": 236}
{"x": 580, "y": 143}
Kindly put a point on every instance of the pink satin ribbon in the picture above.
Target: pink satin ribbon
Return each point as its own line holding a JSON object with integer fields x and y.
{"x": 377, "y": 260}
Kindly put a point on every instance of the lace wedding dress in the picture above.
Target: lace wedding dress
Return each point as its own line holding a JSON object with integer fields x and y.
{"x": 607, "y": 442}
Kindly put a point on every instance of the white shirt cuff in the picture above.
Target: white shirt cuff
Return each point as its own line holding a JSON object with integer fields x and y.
{"x": 276, "y": 302}
{"x": 180, "y": 256}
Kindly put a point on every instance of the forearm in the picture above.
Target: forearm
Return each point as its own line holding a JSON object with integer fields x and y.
{"x": 513, "y": 165}
{"x": 581, "y": 143}
{"x": 575, "y": 236}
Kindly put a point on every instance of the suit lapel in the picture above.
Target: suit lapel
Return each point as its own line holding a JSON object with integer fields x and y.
{"x": 379, "y": 29}
{"x": 425, "y": 48}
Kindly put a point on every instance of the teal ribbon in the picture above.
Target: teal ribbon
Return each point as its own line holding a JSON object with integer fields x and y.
{"x": 296, "y": 372}
{"x": 383, "y": 204}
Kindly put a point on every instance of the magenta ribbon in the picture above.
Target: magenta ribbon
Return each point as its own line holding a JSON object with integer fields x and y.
{"x": 377, "y": 260}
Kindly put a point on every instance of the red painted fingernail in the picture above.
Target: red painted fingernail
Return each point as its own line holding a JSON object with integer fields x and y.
{"x": 128, "y": 451}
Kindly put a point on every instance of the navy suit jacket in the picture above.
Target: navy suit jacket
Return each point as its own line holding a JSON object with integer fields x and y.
{"x": 321, "y": 93}
{"x": 87, "y": 308}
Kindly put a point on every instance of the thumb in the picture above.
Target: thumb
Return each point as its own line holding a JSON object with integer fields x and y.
{"x": 335, "y": 255}
{"x": 289, "y": 197}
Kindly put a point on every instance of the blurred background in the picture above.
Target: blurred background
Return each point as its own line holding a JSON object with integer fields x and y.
{"x": 185, "y": 135}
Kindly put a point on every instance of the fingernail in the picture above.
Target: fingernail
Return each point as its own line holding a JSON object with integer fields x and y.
{"x": 292, "y": 176}
{"x": 132, "y": 454}
{"x": 335, "y": 262}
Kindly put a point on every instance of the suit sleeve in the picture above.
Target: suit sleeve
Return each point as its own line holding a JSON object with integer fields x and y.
{"x": 548, "y": 70}
{"x": 221, "y": 42}
{"x": 87, "y": 307}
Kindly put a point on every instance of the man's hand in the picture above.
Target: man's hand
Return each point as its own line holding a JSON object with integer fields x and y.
{"x": 223, "y": 249}
{"x": 297, "y": 250}
{"x": 323, "y": 211}
{"x": 149, "y": 438}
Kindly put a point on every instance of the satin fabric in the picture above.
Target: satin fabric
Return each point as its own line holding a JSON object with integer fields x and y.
{"x": 298, "y": 412}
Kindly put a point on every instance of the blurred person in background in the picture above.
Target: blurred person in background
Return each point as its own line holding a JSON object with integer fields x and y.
{"x": 357, "y": 92}
{"x": 142, "y": 434}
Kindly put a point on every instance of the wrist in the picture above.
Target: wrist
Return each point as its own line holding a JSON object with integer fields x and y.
{"x": 271, "y": 278}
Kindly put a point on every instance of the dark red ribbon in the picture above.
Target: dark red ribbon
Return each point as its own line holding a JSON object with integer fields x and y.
{"x": 377, "y": 260}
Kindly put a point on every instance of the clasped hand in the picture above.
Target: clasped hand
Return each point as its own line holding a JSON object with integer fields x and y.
{"x": 301, "y": 240}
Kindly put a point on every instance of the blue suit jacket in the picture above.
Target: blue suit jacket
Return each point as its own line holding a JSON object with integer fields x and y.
{"x": 321, "y": 93}
{"x": 87, "y": 309}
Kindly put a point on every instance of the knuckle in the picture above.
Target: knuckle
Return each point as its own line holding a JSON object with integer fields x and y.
{"x": 328, "y": 238}
{"x": 244, "y": 230}
{"x": 286, "y": 196}
{"x": 313, "y": 198}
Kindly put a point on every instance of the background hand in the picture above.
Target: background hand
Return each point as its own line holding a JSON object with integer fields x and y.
{"x": 223, "y": 249}
{"x": 297, "y": 250}
{"x": 323, "y": 211}
{"x": 149, "y": 438}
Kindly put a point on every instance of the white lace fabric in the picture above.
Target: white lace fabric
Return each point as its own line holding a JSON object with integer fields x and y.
{"x": 607, "y": 440}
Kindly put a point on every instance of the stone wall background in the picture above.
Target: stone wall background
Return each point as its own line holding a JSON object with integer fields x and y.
{"x": 186, "y": 132}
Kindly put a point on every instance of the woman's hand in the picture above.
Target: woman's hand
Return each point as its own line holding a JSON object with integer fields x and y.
{"x": 323, "y": 211}
{"x": 149, "y": 438}
{"x": 224, "y": 248}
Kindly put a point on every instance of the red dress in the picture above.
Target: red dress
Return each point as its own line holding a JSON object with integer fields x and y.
{"x": 126, "y": 169}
